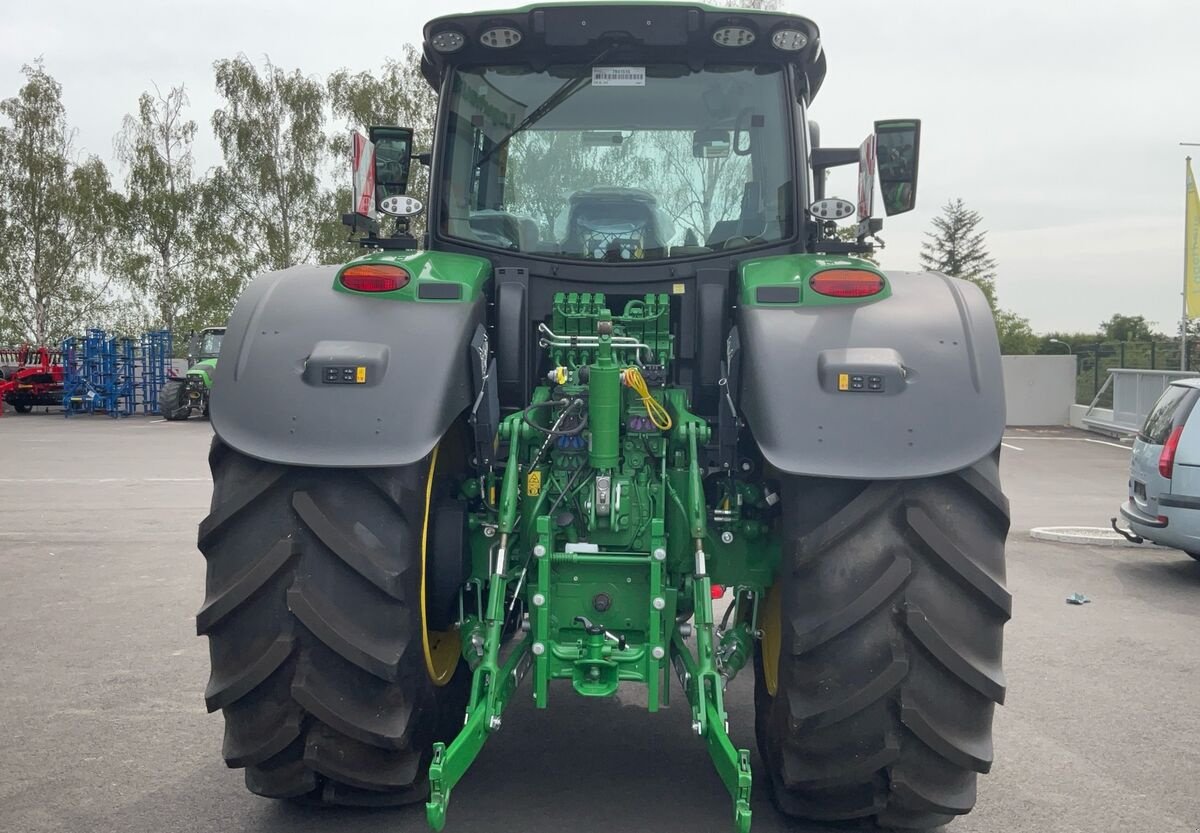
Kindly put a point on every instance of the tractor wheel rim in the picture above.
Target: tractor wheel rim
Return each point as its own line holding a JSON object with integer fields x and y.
{"x": 442, "y": 648}
{"x": 771, "y": 639}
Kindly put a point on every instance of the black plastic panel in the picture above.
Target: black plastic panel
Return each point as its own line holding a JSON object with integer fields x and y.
{"x": 777, "y": 295}
{"x": 270, "y": 399}
{"x": 931, "y": 348}
{"x": 439, "y": 291}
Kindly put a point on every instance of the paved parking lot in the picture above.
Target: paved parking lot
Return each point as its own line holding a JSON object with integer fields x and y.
{"x": 102, "y": 724}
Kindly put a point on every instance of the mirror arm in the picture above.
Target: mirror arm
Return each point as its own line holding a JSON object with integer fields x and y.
{"x": 823, "y": 158}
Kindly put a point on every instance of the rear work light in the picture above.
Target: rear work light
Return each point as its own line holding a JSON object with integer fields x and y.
{"x": 846, "y": 283}
{"x": 733, "y": 36}
{"x": 1166, "y": 460}
{"x": 374, "y": 277}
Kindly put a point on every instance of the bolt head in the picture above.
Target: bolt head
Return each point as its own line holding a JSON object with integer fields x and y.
{"x": 727, "y": 537}
{"x": 660, "y": 554}
{"x": 489, "y": 532}
{"x": 539, "y": 648}
{"x": 658, "y": 652}
{"x": 539, "y": 599}
{"x": 659, "y": 602}
{"x": 494, "y": 723}
{"x": 539, "y": 551}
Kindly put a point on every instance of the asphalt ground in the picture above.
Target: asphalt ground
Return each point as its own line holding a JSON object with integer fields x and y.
{"x": 103, "y": 728}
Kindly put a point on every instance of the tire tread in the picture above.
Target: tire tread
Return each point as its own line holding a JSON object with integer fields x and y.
{"x": 893, "y": 608}
{"x": 309, "y": 610}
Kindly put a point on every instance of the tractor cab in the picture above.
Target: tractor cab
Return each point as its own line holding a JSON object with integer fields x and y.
{"x": 205, "y": 345}
{"x": 671, "y": 137}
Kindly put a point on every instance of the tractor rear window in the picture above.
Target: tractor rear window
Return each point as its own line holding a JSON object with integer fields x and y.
{"x": 1171, "y": 409}
{"x": 618, "y": 164}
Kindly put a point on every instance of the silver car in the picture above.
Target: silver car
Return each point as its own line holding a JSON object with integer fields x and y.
{"x": 1164, "y": 473}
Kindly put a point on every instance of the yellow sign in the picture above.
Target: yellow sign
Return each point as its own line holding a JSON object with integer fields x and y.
{"x": 1191, "y": 251}
{"x": 533, "y": 485}
{"x": 360, "y": 375}
{"x": 843, "y": 381}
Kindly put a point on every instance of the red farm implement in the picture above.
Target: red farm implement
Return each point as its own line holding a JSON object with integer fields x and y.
{"x": 30, "y": 376}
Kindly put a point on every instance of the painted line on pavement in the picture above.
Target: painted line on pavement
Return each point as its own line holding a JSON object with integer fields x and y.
{"x": 1013, "y": 447}
{"x": 1114, "y": 445}
{"x": 1071, "y": 440}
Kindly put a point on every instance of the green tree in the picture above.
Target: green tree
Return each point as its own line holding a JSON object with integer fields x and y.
{"x": 271, "y": 133}
{"x": 1017, "y": 337}
{"x": 160, "y": 254}
{"x": 1129, "y": 328}
{"x": 957, "y": 247}
{"x": 1063, "y": 339}
{"x": 849, "y": 234}
{"x": 56, "y": 217}
{"x": 397, "y": 95}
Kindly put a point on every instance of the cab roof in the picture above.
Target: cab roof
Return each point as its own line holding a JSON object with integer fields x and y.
{"x": 632, "y": 31}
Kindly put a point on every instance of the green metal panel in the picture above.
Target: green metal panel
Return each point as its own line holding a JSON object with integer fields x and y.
{"x": 203, "y": 370}
{"x": 795, "y": 270}
{"x": 427, "y": 268}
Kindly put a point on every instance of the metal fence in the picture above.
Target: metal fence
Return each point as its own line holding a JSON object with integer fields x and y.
{"x": 1095, "y": 360}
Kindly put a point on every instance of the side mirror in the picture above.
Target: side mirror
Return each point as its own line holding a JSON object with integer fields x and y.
{"x": 711, "y": 144}
{"x": 393, "y": 156}
{"x": 897, "y": 150}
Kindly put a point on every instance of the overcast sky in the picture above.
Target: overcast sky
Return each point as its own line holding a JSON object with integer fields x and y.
{"x": 1059, "y": 121}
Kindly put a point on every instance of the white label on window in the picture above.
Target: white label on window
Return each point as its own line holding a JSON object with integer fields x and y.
{"x": 618, "y": 76}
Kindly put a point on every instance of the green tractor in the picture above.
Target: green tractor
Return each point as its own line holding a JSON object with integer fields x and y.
{"x": 180, "y": 396}
{"x": 632, "y": 416}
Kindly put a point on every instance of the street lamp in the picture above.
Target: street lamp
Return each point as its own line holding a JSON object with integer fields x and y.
{"x": 1063, "y": 343}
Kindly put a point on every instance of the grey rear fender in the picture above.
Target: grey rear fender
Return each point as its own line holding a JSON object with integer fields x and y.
{"x": 924, "y": 389}
{"x": 310, "y": 376}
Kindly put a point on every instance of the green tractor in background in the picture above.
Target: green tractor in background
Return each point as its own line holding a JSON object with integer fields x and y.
{"x": 180, "y": 396}
{"x": 632, "y": 416}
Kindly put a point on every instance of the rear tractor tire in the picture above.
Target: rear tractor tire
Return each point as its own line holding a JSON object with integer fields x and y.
{"x": 880, "y": 668}
{"x": 315, "y": 630}
{"x": 172, "y": 401}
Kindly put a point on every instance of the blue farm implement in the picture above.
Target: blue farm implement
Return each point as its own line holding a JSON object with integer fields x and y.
{"x": 114, "y": 375}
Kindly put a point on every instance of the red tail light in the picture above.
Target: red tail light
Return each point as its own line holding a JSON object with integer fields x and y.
{"x": 1166, "y": 460}
{"x": 846, "y": 283}
{"x": 717, "y": 591}
{"x": 374, "y": 277}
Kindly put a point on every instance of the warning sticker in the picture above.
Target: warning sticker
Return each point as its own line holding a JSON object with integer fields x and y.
{"x": 618, "y": 76}
{"x": 533, "y": 483}
{"x": 360, "y": 375}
